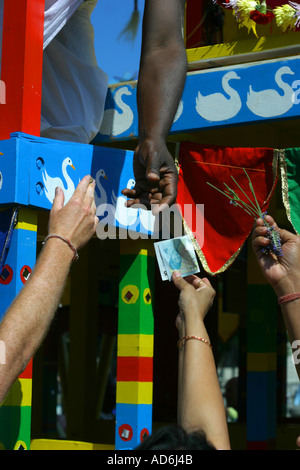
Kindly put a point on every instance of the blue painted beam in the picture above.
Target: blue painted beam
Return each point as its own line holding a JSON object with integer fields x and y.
{"x": 213, "y": 98}
{"x": 31, "y": 168}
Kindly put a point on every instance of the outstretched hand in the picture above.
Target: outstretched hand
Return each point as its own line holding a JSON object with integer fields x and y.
{"x": 281, "y": 272}
{"x": 196, "y": 296}
{"x": 77, "y": 220}
{"x": 155, "y": 176}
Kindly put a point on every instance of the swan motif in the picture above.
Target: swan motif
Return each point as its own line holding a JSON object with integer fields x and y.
{"x": 102, "y": 198}
{"x": 125, "y": 215}
{"x": 114, "y": 122}
{"x": 50, "y": 183}
{"x": 179, "y": 111}
{"x": 269, "y": 103}
{"x": 217, "y": 107}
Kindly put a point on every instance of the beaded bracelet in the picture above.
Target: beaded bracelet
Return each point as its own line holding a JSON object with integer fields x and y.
{"x": 288, "y": 297}
{"x": 181, "y": 342}
{"x": 54, "y": 235}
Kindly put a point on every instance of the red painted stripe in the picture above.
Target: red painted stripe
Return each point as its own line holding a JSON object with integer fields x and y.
{"x": 135, "y": 369}
{"x": 270, "y": 444}
{"x": 21, "y": 67}
{"x": 27, "y": 373}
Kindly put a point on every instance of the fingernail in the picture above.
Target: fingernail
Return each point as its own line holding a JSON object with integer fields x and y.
{"x": 57, "y": 190}
{"x": 176, "y": 274}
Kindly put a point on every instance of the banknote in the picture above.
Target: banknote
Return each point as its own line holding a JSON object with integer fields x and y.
{"x": 176, "y": 254}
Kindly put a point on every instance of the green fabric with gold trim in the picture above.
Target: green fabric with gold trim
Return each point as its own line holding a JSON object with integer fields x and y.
{"x": 290, "y": 178}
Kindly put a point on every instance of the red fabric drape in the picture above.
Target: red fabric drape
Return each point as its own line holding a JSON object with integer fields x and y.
{"x": 226, "y": 227}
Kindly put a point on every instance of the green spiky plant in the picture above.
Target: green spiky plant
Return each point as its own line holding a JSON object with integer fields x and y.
{"x": 252, "y": 208}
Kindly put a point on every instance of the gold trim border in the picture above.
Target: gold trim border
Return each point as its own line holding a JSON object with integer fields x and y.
{"x": 285, "y": 186}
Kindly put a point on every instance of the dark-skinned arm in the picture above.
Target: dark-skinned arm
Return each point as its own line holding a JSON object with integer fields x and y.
{"x": 163, "y": 67}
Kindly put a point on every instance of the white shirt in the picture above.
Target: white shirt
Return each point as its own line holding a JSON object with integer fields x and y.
{"x": 74, "y": 87}
{"x": 57, "y": 13}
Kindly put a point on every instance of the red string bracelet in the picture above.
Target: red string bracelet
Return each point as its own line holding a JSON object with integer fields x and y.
{"x": 181, "y": 342}
{"x": 54, "y": 235}
{"x": 288, "y": 297}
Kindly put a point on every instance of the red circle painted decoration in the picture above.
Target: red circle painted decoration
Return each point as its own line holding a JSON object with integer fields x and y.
{"x": 25, "y": 273}
{"x": 6, "y": 275}
{"x": 125, "y": 432}
{"x": 144, "y": 433}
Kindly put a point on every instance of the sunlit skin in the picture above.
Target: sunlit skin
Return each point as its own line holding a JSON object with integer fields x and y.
{"x": 161, "y": 81}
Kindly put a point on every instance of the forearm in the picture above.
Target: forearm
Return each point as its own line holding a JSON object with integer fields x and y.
{"x": 291, "y": 309}
{"x": 202, "y": 406}
{"x": 28, "y": 318}
{"x": 160, "y": 85}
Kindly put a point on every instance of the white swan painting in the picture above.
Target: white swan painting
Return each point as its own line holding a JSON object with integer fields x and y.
{"x": 100, "y": 193}
{"x": 124, "y": 215}
{"x": 50, "y": 183}
{"x": 115, "y": 122}
{"x": 269, "y": 102}
{"x": 179, "y": 111}
{"x": 219, "y": 106}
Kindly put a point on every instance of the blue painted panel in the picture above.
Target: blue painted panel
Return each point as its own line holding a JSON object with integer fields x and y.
{"x": 219, "y": 97}
{"x": 131, "y": 420}
{"x": 261, "y": 406}
{"x": 8, "y": 171}
{"x": 21, "y": 256}
{"x": 35, "y": 166}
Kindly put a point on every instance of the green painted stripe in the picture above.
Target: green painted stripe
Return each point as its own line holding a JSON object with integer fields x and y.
{"x": 15, "y": 426}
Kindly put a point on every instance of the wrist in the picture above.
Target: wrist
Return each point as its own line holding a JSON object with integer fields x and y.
{"x": 288, "y": 285}
{"x": 195, "y": 328}
{"x": 60, "y": 246}
{"x": 152, "y": 138}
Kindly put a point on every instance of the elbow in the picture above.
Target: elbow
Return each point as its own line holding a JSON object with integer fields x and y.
{"x": 168, "y": 57}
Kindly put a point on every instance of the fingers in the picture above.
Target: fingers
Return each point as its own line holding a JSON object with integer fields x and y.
{"x": 260, "y": 231}
{"x": 259, "y": 236}
{"x": 157, "y": 208}
{"x": 59, "y": 199}
{"x": 260, "y": 222}
{"x": 193, "y": 280}
{"x": 89, "y": 196}
{"x": 179, "y": 282}
{"x": 129, "y": 192}
{"x": 85, "y": 192}
{"x": 198, "y": 282}
{"x": 82, "y": 186}
{"x": 153, "y": 165}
